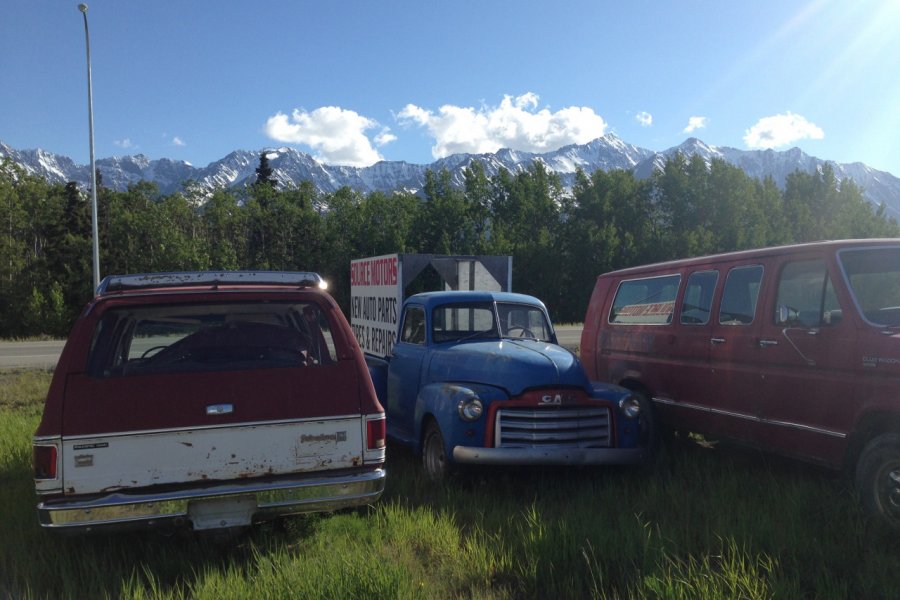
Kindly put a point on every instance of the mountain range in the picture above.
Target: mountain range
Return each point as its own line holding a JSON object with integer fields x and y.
{"x": 290, "y": 167}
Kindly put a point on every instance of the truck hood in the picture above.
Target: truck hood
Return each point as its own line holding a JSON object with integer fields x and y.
{"x": 514, "y": 365}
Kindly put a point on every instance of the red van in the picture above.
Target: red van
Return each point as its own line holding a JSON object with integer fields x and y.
{"x": 793, "y": 349}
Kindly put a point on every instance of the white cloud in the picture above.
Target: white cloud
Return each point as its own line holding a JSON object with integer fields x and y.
{"x": 177, "y": 141}
{"x": 385, "y": 137}
{"x": 125, "y": 144}
{"x": 781, "y": 130}
{"x": 514, "y": 124}
{"x": 695, "y": 123}
{"x": 335, "y": 134}
{"x": 644, "y": 118}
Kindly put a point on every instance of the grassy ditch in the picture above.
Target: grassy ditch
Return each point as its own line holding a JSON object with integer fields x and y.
{"x": 701, "y": 523}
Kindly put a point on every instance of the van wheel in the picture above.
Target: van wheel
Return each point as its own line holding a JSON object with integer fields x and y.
{"x": 434, "y": 459}
{"x": 878, "y": 479}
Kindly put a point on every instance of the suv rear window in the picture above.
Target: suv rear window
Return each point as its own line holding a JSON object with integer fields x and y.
{"x": 210, "y": 337}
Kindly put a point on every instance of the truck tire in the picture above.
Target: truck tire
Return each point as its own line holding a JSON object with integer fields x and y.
{"x": 434, "y": 459}
{"x": 878, "y": 479}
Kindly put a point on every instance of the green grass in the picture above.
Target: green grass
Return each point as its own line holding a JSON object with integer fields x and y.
{"x": 701, "y": 523}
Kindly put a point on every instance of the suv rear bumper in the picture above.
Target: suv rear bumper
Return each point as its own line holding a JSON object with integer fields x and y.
{"x": 225, "y": 505}
{"x": 547, "y": 456}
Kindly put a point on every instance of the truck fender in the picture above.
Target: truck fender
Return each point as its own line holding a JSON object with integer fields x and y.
{"x": 440, "y": 401}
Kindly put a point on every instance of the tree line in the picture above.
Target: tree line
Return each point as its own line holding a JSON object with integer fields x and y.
{"x": 560, "y": 239}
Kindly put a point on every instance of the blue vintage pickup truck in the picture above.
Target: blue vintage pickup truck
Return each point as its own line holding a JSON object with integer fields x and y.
{"x": 477, "y": 378}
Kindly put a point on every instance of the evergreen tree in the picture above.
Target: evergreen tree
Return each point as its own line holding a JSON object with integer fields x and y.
{"x": 560, "y": 241}
{"x": 222, "y": 232}
{"x": 14, "y": 249}
{"x": 68, "y": 254}
{"x": 264, "y": 171}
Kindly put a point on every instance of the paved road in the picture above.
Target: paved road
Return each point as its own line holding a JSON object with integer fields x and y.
{"x": 43, "y": 355}
{"x": 569, "y": 336}
{"x": 30, "y": 355}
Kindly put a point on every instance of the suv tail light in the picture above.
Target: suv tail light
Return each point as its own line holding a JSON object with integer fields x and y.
{"x": 44, "y": 462}
{"x": 376, "y": 430}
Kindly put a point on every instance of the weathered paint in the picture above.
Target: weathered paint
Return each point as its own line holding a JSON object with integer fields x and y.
{"x": 425, "y": 382}
{"x": 139, "y": 432}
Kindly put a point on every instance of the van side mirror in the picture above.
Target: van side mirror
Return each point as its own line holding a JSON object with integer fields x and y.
{"x": 784, "y": 315}
{"x": 833, "y": 317}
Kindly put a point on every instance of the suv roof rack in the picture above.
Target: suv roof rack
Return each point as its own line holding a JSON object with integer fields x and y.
{"x": 120, "y": 283}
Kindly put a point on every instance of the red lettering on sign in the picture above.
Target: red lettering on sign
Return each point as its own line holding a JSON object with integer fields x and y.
{"x": 380, "y": 271}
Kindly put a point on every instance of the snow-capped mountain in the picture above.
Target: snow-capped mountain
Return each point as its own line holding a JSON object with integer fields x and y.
{"x": 879, "y": 187}
{"x": 291, "y": 167}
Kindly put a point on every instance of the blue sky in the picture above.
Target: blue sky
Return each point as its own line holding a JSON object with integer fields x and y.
{"x": 356, "y": 82}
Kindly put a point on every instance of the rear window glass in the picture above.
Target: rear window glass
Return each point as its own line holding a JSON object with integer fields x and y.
{"x": 413, "y": 331}
{"x": 210, "y": 337}
{"x": 649, "y": 301}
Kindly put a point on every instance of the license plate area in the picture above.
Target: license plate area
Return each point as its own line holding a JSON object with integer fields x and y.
{"x": 216, "y": 513}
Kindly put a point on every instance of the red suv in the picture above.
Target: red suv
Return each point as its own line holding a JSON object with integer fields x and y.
{"x": 794, "y": 350}
{"x": 213, "y": 400}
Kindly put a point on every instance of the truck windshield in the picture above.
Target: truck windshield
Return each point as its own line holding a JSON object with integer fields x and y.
{"x": 459, "y": 322}
{"x": 523, "y": 321}
{"x": 873, "y": 275}
{"x": 455, "y": 322}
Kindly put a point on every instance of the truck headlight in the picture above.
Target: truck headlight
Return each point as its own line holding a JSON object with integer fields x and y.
{"x": 470, "y": 408}
{"x": 630, "y": 407}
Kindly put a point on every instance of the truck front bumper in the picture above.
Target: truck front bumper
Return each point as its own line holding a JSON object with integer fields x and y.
{"x": 547, "y": 456}
{"x": 230, "y": 504}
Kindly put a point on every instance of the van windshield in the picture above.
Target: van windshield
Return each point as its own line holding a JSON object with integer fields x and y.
{"x": 873, "y": 275}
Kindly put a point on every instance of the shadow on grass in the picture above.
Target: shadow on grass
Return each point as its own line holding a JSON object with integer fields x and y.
{"x": 573, "y": 532}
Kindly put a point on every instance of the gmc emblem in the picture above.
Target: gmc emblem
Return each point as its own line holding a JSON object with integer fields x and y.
{"x": 557, "y": 399}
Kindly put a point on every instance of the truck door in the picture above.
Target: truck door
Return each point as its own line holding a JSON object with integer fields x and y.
{"x": 404, "y": 372}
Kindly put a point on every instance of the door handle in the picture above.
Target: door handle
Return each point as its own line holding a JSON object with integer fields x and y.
{"x": 717, "y": 340}
{"x": 767, "y": 343}
{"x": 219, "y": 409}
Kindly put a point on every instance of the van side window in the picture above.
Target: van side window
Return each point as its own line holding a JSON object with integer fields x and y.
{"x": 649, "y": 301}
{"x": 740, "y": 295}
{"x": 698, "y": 297}
{"x": 806, "y": 297}
{"x": 874, "y": 278}
{"x": 414, "y": 326}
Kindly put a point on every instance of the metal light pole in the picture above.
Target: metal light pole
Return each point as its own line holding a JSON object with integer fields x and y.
{"x": 87, "y": 40}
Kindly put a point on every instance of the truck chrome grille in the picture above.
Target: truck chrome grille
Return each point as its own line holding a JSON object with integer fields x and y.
{"x": 555, "y": 427}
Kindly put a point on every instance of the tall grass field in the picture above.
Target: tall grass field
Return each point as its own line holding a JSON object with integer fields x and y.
{"x": 700, "y": 522}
